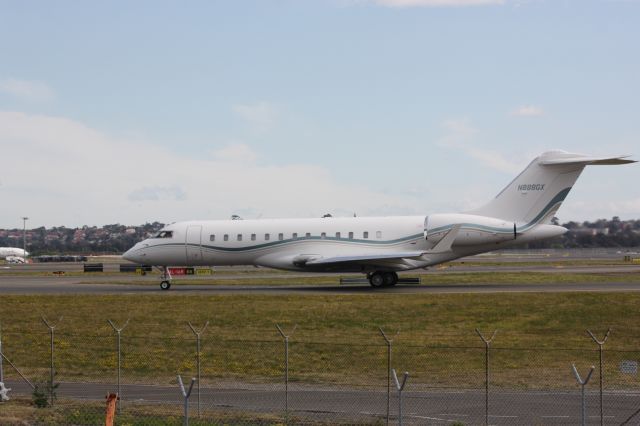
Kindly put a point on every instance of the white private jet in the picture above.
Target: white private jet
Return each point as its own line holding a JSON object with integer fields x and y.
{"x": 377, "y": 246}
{"x": 13, "y": 254}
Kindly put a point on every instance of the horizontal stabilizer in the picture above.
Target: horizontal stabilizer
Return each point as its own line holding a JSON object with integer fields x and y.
{"x": 586, "y": 160}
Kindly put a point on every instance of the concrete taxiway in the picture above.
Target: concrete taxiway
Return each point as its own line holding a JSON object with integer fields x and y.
{"x": 81, "y": 285}
{"x": 429, "y": 406}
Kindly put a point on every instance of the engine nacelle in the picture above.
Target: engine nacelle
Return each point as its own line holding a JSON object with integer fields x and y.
{"x": 474, "y": 230}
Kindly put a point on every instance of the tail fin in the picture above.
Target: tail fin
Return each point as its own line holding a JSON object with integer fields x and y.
{"x": 536, "y": 194}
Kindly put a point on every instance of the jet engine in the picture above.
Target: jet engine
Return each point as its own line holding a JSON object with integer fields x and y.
{"x": 474, "y": 230}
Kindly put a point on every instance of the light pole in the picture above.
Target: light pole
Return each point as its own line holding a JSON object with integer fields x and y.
{"x": 24, "y": 235}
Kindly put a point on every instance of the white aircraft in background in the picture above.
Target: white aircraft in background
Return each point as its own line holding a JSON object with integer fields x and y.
{"x": 13, "y": 254}
{"x": 377, "y": 246}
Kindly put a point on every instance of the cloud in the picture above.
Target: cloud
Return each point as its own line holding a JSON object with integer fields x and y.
{"x": 237, "y": 152}
{"x": 33, "y": 91}
{"x": 437, "y": 3}
{"x": 527, "y": 111}
{"x": 259, "y": 115}
{"x": 75, "y": 175}
{"x": 157, "y": 193}
{"x": 460, "y": 136}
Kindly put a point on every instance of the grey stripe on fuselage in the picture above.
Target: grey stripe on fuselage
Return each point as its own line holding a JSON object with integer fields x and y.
{"x": 358, "y": 242}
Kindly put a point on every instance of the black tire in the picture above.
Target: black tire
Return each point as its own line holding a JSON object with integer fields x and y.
{"x": 390, "y": 279}
{"x": 376, "y": 280}
{"x": 165, "y": 285}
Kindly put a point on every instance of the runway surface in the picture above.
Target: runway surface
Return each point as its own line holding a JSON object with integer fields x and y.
{"x": 38, "y": 278}
{"x": 430, "y": 406}
{"x": 79, "y": 285}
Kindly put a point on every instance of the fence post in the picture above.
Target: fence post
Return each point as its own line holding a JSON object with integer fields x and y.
{"x": 118, "y": 330}
{"x": 600, "y": 344}
{"x": 51, "y": 368}
{"x": 389, "y": 342}
{"x": 186, "y": 395}
{"x": 112, "y": 400}
{"x": 27, "y": 381}
{"x": 1, "y": 370}
{"x": 2, "y": 358}
{"x": 286, "y": 370}
{"x": 3, "y": 389}
{"x": 198, "y": 333}
{"x": 400, "y": 388}
{"x": 582, "y": 384}
{"x": 487, "y": 343}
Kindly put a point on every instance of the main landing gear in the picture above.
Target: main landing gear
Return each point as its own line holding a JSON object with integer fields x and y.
{"x": 382, "y": 279}
{"x": 165, "y": 278}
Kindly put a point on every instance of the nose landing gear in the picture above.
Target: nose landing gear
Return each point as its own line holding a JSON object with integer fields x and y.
{"x": 380, "y": 279}
{"x": 165, "y": 278}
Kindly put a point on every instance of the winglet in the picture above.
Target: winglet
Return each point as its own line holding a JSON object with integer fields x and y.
{"x": 444, "y": 245}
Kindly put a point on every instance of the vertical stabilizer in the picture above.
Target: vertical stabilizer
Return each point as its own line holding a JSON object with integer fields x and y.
{"x": 536, "y": 194}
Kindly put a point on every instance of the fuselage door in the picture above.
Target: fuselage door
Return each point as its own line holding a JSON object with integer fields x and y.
{"x": 193, "y": 244}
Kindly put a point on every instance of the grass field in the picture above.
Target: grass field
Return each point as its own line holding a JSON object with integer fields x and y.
{"x": 336, "y": 339}
{"x": 21, "y": 412}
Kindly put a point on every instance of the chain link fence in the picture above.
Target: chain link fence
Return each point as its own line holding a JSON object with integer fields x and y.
{"x": 285, "y": 379}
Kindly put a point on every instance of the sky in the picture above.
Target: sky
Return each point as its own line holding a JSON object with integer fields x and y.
{"x": 134, "y": 112}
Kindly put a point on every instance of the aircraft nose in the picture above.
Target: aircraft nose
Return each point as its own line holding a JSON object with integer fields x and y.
{"x": 134, "y": 254}
{"x": 128, "y": 255}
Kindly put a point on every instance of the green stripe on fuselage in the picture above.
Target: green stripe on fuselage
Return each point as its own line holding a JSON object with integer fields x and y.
{"x": 559, "y": 198}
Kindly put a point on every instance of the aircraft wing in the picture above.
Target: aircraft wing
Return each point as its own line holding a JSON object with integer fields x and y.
{"x": 374, "y": 259}
{"x": 366, "y": 258}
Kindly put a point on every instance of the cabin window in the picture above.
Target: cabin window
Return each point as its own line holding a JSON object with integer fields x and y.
{"x": 323, "y": 235}
{"x": 253, "y": 237}
{"x": 378, "y": 234}
{"x": 212, "y": 237}
{"x": 239, "y": 237}
{"x": 294, "y": 236}
{"x": 308, "y": 235}
{"x": 280, "y": 236}
{"x": 337, "y": 235}
{"x": 351, "y": 235}
{"x": 164, "y": 234}
{"x": 365, "y": 234}
{"x": 226, "y": 237}
{"x": 266, "y": 237}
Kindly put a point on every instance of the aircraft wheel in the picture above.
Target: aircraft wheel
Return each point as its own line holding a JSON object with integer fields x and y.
{"x": 376, "y": 280}
{"x": 390, "y": 279}
{"x": 165, "y": 285}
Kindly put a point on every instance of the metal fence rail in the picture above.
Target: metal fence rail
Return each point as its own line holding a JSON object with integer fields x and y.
{"x": 286, "y": 379}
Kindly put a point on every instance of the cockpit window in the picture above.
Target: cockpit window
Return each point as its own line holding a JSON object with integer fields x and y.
{"x": 164, "y": 234}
